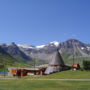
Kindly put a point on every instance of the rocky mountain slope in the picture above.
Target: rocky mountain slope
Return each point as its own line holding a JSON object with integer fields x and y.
{"x": 69, "y": 49}
{"x": 5, "y": 58}
{"x": 15, "y": 52}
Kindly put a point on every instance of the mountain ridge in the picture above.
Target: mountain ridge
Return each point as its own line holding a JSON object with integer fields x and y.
{"x": 45, "y": 52}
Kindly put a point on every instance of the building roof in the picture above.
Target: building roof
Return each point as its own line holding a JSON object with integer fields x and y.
{"x": 55, "y": 64}
{"x": 52, "y": 70}
{"x": 57, "y": 59}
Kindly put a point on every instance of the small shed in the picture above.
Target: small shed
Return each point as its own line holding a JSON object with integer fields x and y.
{"x": 75, "y": 66}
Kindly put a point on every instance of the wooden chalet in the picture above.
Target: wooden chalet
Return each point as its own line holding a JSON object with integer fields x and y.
{"x": 26, "y": 71}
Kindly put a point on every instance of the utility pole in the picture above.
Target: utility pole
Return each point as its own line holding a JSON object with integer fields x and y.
{"x": 73, "y": 58}
{"x": 73, "y": 52}
{"x": 34, "y": 66}
{"x": 4, "y": 70}
{"x": 76, "y": 54}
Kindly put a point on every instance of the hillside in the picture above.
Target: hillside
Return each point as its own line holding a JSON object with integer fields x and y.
{"x": 42, "y": 54}
{"x": 15, "y": 52}
{"x": 69, "y": 49}
{"x": 5, "y": 58}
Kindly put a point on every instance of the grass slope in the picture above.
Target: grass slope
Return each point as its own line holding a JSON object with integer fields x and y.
{"x": 43, "y": 85}
{"x": 5, "y": 58}
{"x": 64, "y": 75}
{"x": 69, "y": 75}
{"x": 8, "y": 61}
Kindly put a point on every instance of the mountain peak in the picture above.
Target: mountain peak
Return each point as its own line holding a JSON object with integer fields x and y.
{"x": 73, "y": 40}
{"x": 56, "y": 43}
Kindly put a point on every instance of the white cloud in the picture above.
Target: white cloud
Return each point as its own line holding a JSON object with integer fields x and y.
{"x": 74, "y": 35}
{"x": 70, "y": 35}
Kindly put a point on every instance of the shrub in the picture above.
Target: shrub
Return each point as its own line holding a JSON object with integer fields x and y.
{"x": 86, "y": 65}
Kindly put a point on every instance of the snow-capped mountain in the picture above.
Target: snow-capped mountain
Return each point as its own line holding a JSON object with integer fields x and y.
{"x": 67, "y": 49}
{"x": 54, "y": 43}
{"x": 15, "y": 52}
{"x": 45, "y": 52}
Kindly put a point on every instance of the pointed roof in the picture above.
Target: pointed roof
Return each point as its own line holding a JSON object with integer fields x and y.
{"x": 57, "y": 59}
{"x": 55, "y": 64}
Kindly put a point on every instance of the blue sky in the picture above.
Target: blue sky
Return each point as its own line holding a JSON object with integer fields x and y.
{"x": 39, "y": 22}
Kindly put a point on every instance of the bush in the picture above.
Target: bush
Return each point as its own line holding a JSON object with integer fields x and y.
{"x": 86, "y": 65}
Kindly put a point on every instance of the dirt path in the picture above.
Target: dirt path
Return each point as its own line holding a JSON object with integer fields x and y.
{"x": 64, "y": 79}
{"x": 49, "y": 79}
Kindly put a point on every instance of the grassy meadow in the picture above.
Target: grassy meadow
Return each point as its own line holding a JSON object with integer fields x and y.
{"x": 24, "y": 83}
{"x": 69, "y": 75}
{"x": 43, "y": 85}
{"x": 63, "y": 75}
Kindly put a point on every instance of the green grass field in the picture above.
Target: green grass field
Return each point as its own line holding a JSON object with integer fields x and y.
{"x": 64, "y": 75}
{"x": 70, "y": 75}
{"x": 43, "y": 85}
{"x": 24, "y": 83}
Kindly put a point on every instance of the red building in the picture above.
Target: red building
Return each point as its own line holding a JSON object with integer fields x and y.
{"x": 26, "y": 71}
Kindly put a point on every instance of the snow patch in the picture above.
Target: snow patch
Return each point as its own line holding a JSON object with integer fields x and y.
{"x": 41, "y": 46}
{"x": 88, "y": 48}
{"x": 55, "y": 43}
{"x": 24, "y": 46}
{"x": 82, "y": 48}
